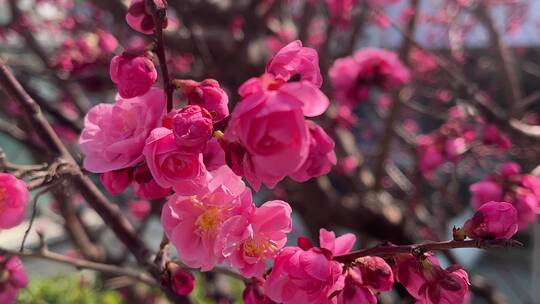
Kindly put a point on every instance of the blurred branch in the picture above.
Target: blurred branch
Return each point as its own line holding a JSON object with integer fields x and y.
{"x": 505, "y": 61}
{"x": 398, "y": 100}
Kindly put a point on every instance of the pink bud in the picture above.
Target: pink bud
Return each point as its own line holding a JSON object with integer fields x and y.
{"x": 492, "y": 221}
{"x": 183, "y": 281}
{"x": 140, "y": 209}
{"x": 116, "y": 181}
{"x": 13, "y": 200}
{"x": 145, "y": 186}
{"x": 140, "y": 18}
{"x": 510, "y": 168}
{"x": 485, "y": 191}
{"x": 107, "y": 42}
{"x": 207, "y": 94}
{"x": 134, "y": 75}
{"x": 192, "y": 128}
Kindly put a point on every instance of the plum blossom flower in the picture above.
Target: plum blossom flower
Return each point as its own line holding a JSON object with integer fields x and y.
{"x": 248, "y": 241}
{"x": 492, "y": 221}
{"x": 268, "y": 127}
{"x": 295, "y": 61}
{"x": 12, "y": 279}
{"x": 321, "y": 155}
{"x": 192, "y": 128}
{"x": 192, "y": 223}
{"x": 13, "y": 200}
{"x": 140, "y": 209}
{"x": 341, "y": 11}
{"x": 308, "y": 274}
{"x": 485, "y": 191}
{"x": 133, "y": 75}
{"x": 140, "y": 18}
{"x": 114, "y": 135}
{"x": 370, "y": 275}
{"x": 353, "y": 77}
{"x": 429, "y": 283}
{"x": 171, "y": 167}
{"x": 207, "y": 94}
{"x": 116, "y": 181}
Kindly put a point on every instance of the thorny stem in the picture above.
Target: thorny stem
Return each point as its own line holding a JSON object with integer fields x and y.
{"x": 418, "y": 249}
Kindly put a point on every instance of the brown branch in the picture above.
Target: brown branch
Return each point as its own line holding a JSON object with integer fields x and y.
{"x": 44, "y": 253}
{"x": 398, "y": 98}
{"x": 418, "y": 249}
{"x": 159, "y": 13}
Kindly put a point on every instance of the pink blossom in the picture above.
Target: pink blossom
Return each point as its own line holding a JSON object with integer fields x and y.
{"x": 114, "y": 134}
{"x": 352, "y": 77}
{"x": 13, "y": 200}
{"x": 183, "y": 281}
{"x": 485, "y": 191}
{"x": 268, "y": 127}
{"x": 13, "y": 277}
{"x": 369, "y": 276}
{"x": 145, "y": 186}
{"x": 192, "y": 128}
{"x": 429, "y": 283}
{"x": 321, "y": 156}
{"x": 527, "y": 204}
{"x": 345, "y": 118}
{"x": 309, "y": 275}
{"x": 430, "y": 154}
{"x": 341, "y": 11}
{"x": 140, "y": 209}
{"x": 207, "y": 94}
{"x": 133, "y": 75}
{"x": 213, "y": 155}
{"x": 193, "y": 223}
{"x": 295, "y": 60}
{"x": 107, "y": 42}
{"x": 510, "y": 169}
{"x": 254, "y": 293}
{"x": 454, "y": 147}
{"x": 140, "y": 18}
{"x": 172, "y": 167}
{"x": 347, "y": 165}
{"x": 492, "y": 136}
{"x": 492, "y": 221}
{"x": 116, "y": 181}
{"x": 247, "y": 242}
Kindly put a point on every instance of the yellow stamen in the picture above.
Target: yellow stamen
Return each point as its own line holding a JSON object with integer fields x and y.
{"x": 207, "y": 223}
{"x": 258, "y": 246}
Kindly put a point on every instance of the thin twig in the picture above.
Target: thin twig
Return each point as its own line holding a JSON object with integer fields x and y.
{"x": 44, "y": 253}
{"x": 34, "y": 212}
{"x": 417, "y": 249}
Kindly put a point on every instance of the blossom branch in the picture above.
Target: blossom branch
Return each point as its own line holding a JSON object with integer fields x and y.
{"x": 418, "y": 249}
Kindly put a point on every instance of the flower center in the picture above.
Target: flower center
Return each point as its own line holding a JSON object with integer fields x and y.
{"x": 256, "y": 247}
{"x": 208, "y": 222}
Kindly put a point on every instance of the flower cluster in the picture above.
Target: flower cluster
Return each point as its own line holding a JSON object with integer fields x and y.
{"x": 428, "y": 282}
{"x": 268, "y": 125}
{"x": 13, "y": 200}
{"x": 451, "y": 140}
{"x": 512, "y": 186}
{"x": 354, "y": 76}
{"x": 12, "y": 278}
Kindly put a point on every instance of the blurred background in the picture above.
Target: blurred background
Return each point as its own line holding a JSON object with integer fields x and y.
{"x": 60, "y": 51}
